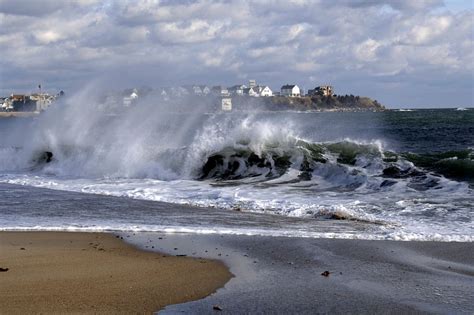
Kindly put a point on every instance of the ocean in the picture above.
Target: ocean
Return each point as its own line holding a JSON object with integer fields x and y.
{"x": 395, "y": 175}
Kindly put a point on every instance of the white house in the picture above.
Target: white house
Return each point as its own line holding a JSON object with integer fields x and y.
{"x": 205, "y": 89}
{"x": 290, "y": 90}
{"x": 253, "y": 91}
{"x": 197, "y": 89}
{"x": 128, "y": 100}
{"x": 265, "y": 91}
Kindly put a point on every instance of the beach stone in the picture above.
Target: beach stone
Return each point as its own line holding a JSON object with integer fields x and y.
{"x": 325, "y": 273}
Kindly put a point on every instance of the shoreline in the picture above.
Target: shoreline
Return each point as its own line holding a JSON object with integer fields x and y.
{"x": 273, "y": 274}
{"x": 95, "y": 273}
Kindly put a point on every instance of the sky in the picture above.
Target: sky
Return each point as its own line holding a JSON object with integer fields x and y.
{"x": 414, "y": 53}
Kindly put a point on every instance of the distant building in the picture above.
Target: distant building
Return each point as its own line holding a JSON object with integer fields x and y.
{"x": 324, "y": 90}
{"x": 21, "y": 103}
{"x": 219, "y": 90}
{"x": 237, "y": 89}
{"x": 162, "y": 92}
{"x": 252, "y": 83}
{"x": 290, "y": 90}
{"x": 265, "y": 91}
{"x": 205, "y": 90}
{"x": 226, "y": 104}
{"x": 6, "y": 104}
{"x": 257, "y": 91}
{"x": 197, "y": 89}
{"x": 130, "y": 99}
{"x": 251, "y": 91}
{"x": 43, "y": 101}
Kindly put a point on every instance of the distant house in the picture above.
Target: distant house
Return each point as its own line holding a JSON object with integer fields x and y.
{"x": 290, "y": 90}
{"x": 205, "y": 90}
{"x": 219, "y": 90}
{"x": 197, "y": 89}
{"x": 162, "y": 92}
{"x": 6, "y": 104}
{"x": 237, "y": 89}
{"x": 131, "y": 98}
{"x": 264, "y": 91}
{"x": 252, "y": 83}
{"x": 43, "y": 101}
{"x": 22, "y": 103}
{"x": 324, "y": 90}
{"x": 252, "y": 91}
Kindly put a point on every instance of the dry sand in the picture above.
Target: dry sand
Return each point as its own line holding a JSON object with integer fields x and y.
{"x": 61, "y": 272}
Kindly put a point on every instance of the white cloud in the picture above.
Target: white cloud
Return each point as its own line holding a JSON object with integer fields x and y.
{"x": 273, "y": 41}
{"x": 186, "y": 32}
{"x": 367, "y": 50}
{"x": 47, "y": 37}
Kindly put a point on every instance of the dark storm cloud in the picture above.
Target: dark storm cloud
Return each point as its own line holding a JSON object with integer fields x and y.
{"x": 361, "y": 47}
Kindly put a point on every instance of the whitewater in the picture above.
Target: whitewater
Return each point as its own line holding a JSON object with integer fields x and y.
{"x": 390, "y": 175}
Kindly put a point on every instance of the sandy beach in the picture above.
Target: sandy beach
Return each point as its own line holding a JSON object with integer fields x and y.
{"x": 66, "y": 272}
{"x": 60, "y": 272}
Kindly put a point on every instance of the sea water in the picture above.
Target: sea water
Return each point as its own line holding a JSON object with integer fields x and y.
{"x": 402, "y": 175}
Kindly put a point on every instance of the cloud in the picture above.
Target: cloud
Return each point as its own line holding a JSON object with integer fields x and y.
{"x": 40, "y": 8}
{"x": 193, "y": 31}
{"x": 345, "y": 43}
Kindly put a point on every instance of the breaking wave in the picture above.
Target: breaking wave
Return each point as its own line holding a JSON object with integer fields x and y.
{"x": 247, "y": 164}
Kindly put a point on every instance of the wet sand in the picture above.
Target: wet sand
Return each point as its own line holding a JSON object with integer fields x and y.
{"x": 61, "y": 272}
{"x": 281, "y": 275}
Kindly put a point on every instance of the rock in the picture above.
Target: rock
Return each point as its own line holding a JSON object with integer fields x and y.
{"x": 217, "y": 308}
{"x": 22, "y": 248}
{"x": 3, "y": 269}
{"x": 338, "y": 216}
{"x": 325, "y": 273}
